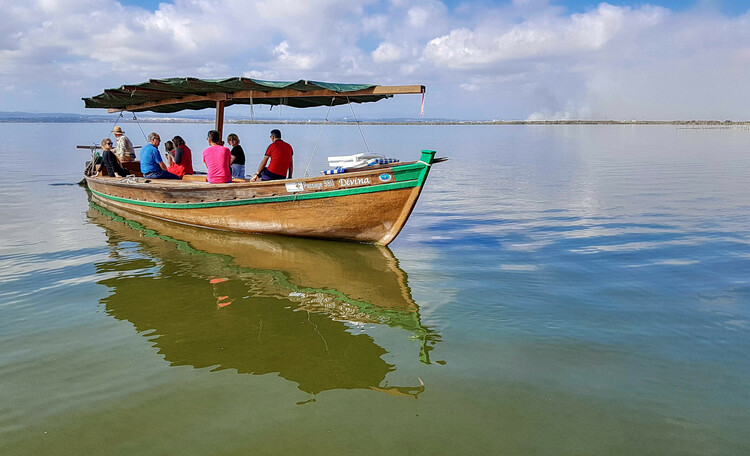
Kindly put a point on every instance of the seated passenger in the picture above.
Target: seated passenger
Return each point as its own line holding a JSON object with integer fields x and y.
{"x": 182, "y": 158}
{"x": 217, "y": 159}
{"x": 169, "y": 153}
{"x": 93, "y": 167}
{"x": 124, "y": 149}
{"x": 152, "y": 165}
{"x": 238, "y": 156}
{"x": 282, "y": 164}
{"x": 110, "y": 160}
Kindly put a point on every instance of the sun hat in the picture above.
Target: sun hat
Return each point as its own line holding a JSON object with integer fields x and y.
{"x": 117, "y": 129}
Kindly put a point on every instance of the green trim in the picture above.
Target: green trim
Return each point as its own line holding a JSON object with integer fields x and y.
{"x": 404, "y": 319}
{"x": 405, "y": 176}
{"x": 273, "y": 199}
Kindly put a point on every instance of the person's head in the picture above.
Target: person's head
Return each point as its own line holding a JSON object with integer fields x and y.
{"x": 213, "y": 137}
{"x": 118, "y": 131}
{"x": 154, "y": 139}
{"x": 178, "y": 141}
{"x": 233, "y": 139}
{"x": 169, "y": 146}
{"x": 106, "y": 143}
{"x": 275, "y": 134}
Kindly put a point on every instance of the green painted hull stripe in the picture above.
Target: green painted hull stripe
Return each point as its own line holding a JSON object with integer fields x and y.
{"x": 273, "y": 199}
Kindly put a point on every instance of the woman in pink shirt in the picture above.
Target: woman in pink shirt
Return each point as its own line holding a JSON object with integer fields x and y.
{"x": 217, "y": 159}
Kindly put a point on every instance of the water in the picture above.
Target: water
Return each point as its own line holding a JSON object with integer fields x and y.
{"x": 558, "y": 290}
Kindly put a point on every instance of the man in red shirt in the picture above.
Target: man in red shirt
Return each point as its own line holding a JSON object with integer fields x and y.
{"x": 281, "y": 166}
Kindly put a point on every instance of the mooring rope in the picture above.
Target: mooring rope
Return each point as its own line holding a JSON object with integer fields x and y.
{"x": 358, "y": 126}
{"x": 141, "y": 128}
{"x": 307, "y": 170}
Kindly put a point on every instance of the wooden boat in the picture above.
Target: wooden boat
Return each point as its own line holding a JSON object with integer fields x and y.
{"x": 364, "y": 205}
{"x": 261, "y": 304}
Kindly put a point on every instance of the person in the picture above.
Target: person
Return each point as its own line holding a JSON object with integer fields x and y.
{"x": 238, "y": 156}
{"x": 152, "y": 165}
{"x": 93, "y": 167}
{"x": 281, "y": 155}
{"x": 169, "y": 151}
{"x": 217, "y": 158}
{"x": 181, "y": 159}
{"x": 124, "y": 149}
{"x": 111, "y": 162}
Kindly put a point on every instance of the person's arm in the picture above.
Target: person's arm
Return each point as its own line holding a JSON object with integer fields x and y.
{"x": 263, "y": 162}
{"x": 119, "y": 147}
{"x": 291, "y": 168}
{"x": 178, "y": 155}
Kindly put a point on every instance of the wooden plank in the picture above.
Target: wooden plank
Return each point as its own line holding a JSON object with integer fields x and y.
{"x": 219, "y": 124}
{"x": 97, "y": 146}
{"x": 283, "y": 93}
{"x": 171, "y": 101}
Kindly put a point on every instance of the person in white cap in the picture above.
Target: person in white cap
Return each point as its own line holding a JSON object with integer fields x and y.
{"x": 124, "y": 148}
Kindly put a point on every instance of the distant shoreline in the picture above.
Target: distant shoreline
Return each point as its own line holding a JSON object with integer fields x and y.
{"x": 687, "y": 123}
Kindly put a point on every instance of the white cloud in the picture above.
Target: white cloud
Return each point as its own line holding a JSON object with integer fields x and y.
{"x": 522, "y": 59}
{"x": 541, "y": 37}
{"x": 387, "y": 52}
{"x": 290, "y": 60}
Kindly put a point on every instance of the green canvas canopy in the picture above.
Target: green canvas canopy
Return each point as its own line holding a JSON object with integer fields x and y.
{"x": 177, "y": 94}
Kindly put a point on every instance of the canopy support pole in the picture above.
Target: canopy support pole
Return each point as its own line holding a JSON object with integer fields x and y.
{"x": 219, "y": 125}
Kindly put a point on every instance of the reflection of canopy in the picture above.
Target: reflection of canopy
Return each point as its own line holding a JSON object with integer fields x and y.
{"x": 177, "y": 94}
{"x": 286, "y": 316}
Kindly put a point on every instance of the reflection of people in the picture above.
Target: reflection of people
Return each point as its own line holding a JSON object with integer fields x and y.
{"x": 124, "y": 149}
{"x": 152, "y": 165}
{"x": 182, "y": 158}
{"x": 217, "y": 159}
{"x": 238, "y": 156}
{"x": 110, "y": 160}
{"x": 282, "y": 164}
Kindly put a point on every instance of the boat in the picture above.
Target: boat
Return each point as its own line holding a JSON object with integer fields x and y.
{"x": 368, "y": 205}
{"x": 263, "y": 304}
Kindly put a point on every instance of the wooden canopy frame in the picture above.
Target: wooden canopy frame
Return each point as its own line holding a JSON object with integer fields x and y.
{"x": 248, "y": 96}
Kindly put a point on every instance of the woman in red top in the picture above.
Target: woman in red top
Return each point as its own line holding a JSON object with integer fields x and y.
{"x": 182, "y": 162}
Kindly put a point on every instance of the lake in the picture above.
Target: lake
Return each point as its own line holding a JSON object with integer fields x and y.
{"x": 558, "y": 290}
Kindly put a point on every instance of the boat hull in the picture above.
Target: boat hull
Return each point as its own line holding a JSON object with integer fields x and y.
{"x": 365, "y": 206}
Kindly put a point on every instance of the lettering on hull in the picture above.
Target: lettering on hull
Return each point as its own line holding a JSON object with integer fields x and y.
{"x": 351, "y": 182}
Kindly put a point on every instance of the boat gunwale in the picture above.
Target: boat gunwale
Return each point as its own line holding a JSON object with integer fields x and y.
{"x": 172, "y": 184}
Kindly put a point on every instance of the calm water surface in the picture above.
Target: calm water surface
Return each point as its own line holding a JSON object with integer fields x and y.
{"x": 559, "y": 290}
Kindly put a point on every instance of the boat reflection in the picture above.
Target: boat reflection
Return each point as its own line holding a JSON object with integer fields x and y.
{"x": 260, "y": 304}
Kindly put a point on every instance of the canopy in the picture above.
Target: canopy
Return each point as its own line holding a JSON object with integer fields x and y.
{"x": 177, "y": 94}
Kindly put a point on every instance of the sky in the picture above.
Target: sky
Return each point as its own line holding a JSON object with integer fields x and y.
{"x": 479, "y": 59}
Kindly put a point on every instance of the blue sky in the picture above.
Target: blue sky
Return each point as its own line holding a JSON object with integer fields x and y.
{"x": 729, "y": 7}
{"x": 522, "y": 59}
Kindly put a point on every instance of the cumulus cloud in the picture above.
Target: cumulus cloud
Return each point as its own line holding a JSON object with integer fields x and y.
{"x": 542, "y": 37}
{"x": 387, "y": 52}
{"x": 524, "y": 59}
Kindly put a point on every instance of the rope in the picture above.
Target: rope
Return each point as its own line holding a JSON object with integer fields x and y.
{"x": 141, "y": 128}
{"x": 252, "y": 112}
{"x": 115, "y": 124}
{"x": 358, "y": 126}
{"x": 307, "y": 170}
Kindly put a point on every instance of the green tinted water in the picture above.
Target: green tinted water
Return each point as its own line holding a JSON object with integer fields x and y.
{"x": 585, "y": 292}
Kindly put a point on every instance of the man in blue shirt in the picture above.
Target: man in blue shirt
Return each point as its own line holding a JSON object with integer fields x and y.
{"x": 152, "y": 165}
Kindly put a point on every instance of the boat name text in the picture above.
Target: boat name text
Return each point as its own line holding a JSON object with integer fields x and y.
{"x": 354, "y": 181}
